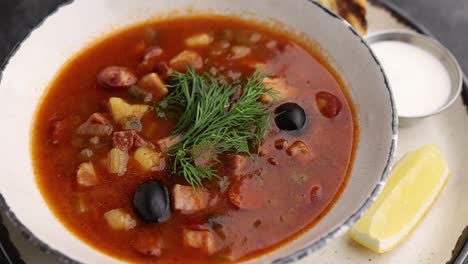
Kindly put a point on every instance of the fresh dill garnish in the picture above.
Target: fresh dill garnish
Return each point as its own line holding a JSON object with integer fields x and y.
{"x": 210, "y": 120}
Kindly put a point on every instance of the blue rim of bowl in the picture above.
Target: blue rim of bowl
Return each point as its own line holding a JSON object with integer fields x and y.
{"x": 295, "y": 256}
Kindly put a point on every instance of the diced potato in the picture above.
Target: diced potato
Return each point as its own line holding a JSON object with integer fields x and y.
{"x": 121, "y": 110}
{"x": 187, "y": 199}
{"x": 238, "y": 52}
{"x": 147, "y": 158}
{"x": 117, "y": 161}
{"x": 86, "y": 175}
{"x": 198, "y": 40}
{"x": 153, "y": 83}
{"x": 200, "y": 239}
{"x": 118, "y": 219}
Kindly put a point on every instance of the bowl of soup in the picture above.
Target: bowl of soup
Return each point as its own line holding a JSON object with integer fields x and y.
{"x": 192, "y": 132}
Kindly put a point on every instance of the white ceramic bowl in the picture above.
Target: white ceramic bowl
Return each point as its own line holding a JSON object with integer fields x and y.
{"x": 37, "y": 60}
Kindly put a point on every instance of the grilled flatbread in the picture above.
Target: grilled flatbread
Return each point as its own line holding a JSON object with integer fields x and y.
{"x": 354, "y": 11}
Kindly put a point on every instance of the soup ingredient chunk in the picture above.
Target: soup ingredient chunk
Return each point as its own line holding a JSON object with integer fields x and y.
{"x": 151, "y": 202}
{"x": 186, "y": 58}
{"x": 122, "y": 110}
{"x": 118, "y": 219}
{"x": 116, "y": 77}
{"x": 281, "y": 90}
{"x": 117, "y": 161}
{"x": 200, "y": 239}
{"x": 238, "y": 52}
{"x": 147, "y": 158}
{"x": 152, "y": 82}
{"x": 328, "y": 104}
{"x": 202, "y": 39}
{"x": 126, "y": 140}
{"x": 299, "y": 149}
{"x": 97, "y": 124}
{"x": 148, "y": 245}
{"x": 86, "y": 175}
{"x": 152, "y": 53}
{"x": 188, "y": 200}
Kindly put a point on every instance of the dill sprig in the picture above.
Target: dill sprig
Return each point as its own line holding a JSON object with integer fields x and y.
{"x": 210, "y": 121}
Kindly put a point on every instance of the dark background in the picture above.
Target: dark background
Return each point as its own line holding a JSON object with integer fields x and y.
{"x": 446, "y": 19}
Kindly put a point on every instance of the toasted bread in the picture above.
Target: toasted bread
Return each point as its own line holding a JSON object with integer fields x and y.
{"x": 354, "y": 11}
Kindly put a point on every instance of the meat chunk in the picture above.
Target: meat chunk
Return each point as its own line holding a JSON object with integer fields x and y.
{"x": 97, "y": 124}
{"x": 167, "y": 142}
{"x": 86, "y": 175}
{"x": 123, "y": 140}
{"x": 189, "y": 200}
{"x": 299, "y": 149}
{"x": 186, "y": 58}
{"x": 127, "y": 140}
{"x": 100, "y": 118}
{"x": 151, "y": 82}
{"x": 200, "y": 239}
{"x": 148, "y": 245}
{"x": 116, "y": 77}
{"x": 152, "y": 53}
{"x": 280, "y": 87}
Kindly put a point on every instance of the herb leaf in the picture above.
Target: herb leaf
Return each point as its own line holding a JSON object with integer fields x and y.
{"x": 210, "y": 120}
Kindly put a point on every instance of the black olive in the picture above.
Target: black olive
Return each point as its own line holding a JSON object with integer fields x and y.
{"x": 151, "y": 202}
{"x": 290, "y": 117}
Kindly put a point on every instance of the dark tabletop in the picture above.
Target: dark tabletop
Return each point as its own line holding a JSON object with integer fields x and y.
{"x": 447, "y": 20}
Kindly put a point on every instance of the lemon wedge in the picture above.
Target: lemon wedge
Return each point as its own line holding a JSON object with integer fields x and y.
{"x": 415, "y": 182}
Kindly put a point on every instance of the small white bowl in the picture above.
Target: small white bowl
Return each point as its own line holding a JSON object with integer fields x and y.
{"x": 438, "y": 51}
{"x": 74, "y": 26}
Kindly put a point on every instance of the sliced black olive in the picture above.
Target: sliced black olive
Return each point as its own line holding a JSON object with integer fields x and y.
{"x": 290, "y": 117}
{"x": 151, "y": 202}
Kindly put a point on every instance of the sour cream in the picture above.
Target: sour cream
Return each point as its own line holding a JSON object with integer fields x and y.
{"x": 419, "y": 81}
